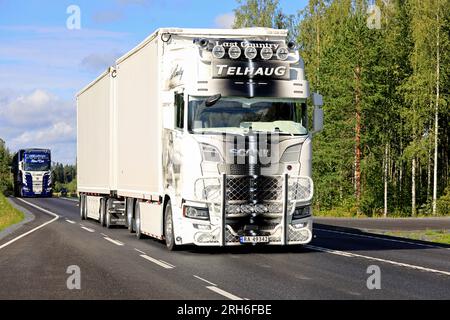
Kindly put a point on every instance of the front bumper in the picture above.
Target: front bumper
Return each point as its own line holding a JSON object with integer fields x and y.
{"x": 46, "y": 192}
{"x": 212, "y": 237}
{"x": 225, "y": 228}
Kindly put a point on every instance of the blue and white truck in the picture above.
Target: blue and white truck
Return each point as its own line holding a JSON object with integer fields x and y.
{"x": 32, "y": 173}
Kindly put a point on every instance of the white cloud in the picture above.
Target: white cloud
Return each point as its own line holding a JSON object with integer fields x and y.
{"x": 59, "y": 132}
{"x": 39, "y": 119}
{"x": 224, "y": 21}
{"x": 39, "y": 108}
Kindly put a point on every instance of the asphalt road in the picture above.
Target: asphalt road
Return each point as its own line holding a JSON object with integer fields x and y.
{"x": 115, "y": 265}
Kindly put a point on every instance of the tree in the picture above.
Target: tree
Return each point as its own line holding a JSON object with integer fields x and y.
{"x": 264, "y": 13}
{"x": 386, "y": 142}
{"x": 5, "y": 173}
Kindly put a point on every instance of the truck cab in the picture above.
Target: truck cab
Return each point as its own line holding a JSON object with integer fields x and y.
{"x": 238, "y": 160}
{"x": 32, "y": 173}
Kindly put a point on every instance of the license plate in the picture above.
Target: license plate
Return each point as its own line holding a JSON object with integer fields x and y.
{"x": 254, "y": 239}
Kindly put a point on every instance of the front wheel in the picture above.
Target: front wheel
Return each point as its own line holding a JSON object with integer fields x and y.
{"x": 109, "y": 205}
{"x": 102, "y": 212}
{"x": 168, "y": 228}
{"x": 130, "y": 218}
{"x": 137, "y": 219}
{"x": 82, "y": 205}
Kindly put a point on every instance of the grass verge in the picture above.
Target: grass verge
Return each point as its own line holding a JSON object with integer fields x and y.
{"x": 438, "y": 236}
{"x": 8, "y": 214}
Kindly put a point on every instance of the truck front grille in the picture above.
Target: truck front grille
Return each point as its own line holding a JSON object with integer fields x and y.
{"x": 254, "y": 189}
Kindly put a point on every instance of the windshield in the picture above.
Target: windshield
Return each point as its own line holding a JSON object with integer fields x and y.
{"x": 37, "y": 162}
{"x": 238, "y": 115}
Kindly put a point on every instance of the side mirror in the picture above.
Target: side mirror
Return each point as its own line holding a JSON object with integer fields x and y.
{"x": 168, "y": 114}
{"x": 318, "y": 119}
{"x": 317, "y": 101}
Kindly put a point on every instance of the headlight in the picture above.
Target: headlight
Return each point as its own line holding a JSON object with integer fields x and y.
{"x": 266, "y": 53}
{"x": 196, "y": 213}
{"x": 250, "y": 53}
{"x": 210, "y": 153}
{"x": 218, "y": 51}
{"x": 234, "y": 52}
{"x": 282, "y": 53}
{"x": 301, "y": 212}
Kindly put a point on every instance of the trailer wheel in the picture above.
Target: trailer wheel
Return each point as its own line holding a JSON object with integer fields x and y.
{"x": 168, "y": 228}
{"x": 137, "y": 219}
{"x": 130, "y": 219}
{"x": 108, "y": 213}
{"x": 102, "y": 212}
{"x": 82, "y": 205}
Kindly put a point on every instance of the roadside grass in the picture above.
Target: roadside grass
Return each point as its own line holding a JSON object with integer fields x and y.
{"x": 8, "y": 214}
{"x": 438, "y": 236}
{"x": 344, "y": 212}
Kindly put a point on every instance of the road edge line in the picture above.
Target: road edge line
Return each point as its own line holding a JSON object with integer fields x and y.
{"x": 56, "y": 217}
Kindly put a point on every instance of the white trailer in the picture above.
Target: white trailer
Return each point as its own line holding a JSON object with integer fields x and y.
{"x": 200, "y": 136}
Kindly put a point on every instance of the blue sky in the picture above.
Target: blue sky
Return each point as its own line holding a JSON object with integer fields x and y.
{"x": 43, "y": 63}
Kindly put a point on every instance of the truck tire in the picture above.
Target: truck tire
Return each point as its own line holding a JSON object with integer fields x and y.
{"x": 108, "y": 213}
{"x": 130, "y": 214}
{"x": 137, "y": 219}
{"x": 102, "y": 212}
{"x": 82, "y": 206}
{"x": 168, "y": 228}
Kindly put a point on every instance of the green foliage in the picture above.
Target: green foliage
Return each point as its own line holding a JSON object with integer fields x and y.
{"x": 8, "y": 214}
{"x": 397, "y": 91}
{"x": 64, "y": 177}
{"x": 5, "y": 171}
{"x": 63, "y": 174}
{"x": 443, "y": 203}
{"x": 264, "y": 13}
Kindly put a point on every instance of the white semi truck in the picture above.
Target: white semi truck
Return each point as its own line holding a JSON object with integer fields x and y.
{"x": 201, "y": 136}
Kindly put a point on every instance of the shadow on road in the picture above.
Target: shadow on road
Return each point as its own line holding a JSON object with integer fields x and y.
{"x": 350, "y": 239}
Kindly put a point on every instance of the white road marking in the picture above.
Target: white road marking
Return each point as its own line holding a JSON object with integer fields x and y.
{"x": 223, "y": 293}
{"x": 139, "y": 251}
{"x": 159, "y": 263}
{"x": 56, "y": 217}
{"x": 209, "y": 282}
{"x": 383, "y": 239}
{"x": 105, "y": 235}
{"x": 118, "y": 243}
{"x": 355, "y": 255}
{"x": 88, "y": 229}
{"x": 169, "y": 264}
{"x": 339, "y": 253}
{"x": 70, "y": 221}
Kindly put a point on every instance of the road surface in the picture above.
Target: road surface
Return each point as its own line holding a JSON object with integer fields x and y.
{"x": 115, "y": 265}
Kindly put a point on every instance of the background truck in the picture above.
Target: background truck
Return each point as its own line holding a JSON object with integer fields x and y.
{"x": 201, "y": 136}
{"x": 32, "y": 173}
